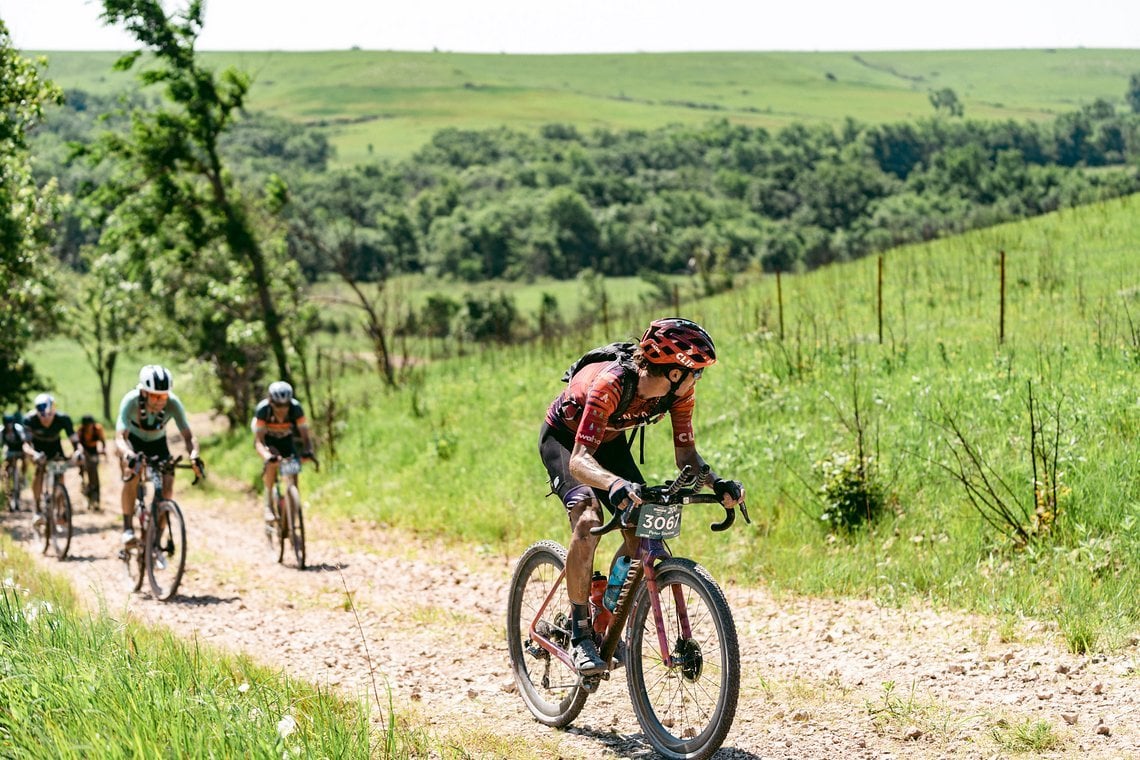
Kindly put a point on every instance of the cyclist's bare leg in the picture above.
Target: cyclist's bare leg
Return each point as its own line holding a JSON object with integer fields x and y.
{"x": 38, "y": 485}
{"x": 129, "y": 492}
{"x": 584, "y": 515}
{"x": 168, "y": 485}
{"x": 269, "y": 475}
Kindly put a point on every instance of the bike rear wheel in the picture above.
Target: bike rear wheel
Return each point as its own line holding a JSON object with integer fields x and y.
{"x": 58, "y": 525}
{"x": 13, "y": 486}
{"x": 166, "y": 547}
{"x": 296, "y": 525}
{"x": 92, "y": 485}
{"x": 550, "y": 688}
{"x": 275, "y": 531}
{"x": 685, "y": 710}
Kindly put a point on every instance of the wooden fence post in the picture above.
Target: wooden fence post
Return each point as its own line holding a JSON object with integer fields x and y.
{"x": 780, "y": 303}
{"x": 1001, "y": 308}
{"x": 880, "y": 309}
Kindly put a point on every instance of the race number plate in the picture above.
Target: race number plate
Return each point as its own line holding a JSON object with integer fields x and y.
{"x": 290, "y": 466}
{"x": 659, "y": 521}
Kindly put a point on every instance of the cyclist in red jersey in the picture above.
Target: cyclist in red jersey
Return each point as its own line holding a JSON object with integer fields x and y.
{"x": 588, "y": 459}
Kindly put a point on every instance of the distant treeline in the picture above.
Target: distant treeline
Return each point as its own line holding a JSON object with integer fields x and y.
{"x": 477, "y": 205}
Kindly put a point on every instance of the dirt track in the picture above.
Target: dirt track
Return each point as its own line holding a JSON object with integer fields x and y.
{"x": 431, "y": 630}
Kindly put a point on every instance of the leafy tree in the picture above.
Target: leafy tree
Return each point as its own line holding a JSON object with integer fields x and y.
{"x": 106, "y": 317}
{"x": 174, "y": 195}
{"x": 1132, "y": 97}
{"x": 27, "y": 295}
{"x": 946, "y": 101}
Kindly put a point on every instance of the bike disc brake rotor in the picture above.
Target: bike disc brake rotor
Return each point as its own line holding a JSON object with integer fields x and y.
{"x": 689, "y": 659}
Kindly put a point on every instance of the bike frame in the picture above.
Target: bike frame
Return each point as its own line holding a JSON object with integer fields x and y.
{"x": 641, "y": 570}
{"x": 51, "y": 468}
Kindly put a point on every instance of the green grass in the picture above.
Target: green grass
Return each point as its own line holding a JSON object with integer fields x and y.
{"x": 376, "y": 104}
{"x": 77, "y": 686}
{"x": 453, "y": 454}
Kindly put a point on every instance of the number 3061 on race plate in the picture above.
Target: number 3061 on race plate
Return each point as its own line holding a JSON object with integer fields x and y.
{"x": 659, "y": 521}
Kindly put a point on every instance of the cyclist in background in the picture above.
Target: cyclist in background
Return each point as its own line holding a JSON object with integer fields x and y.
{"x": 589, "y": 462}
{"x": 14, "y": 438}
{"x": 44, "y": 424}
{"x": 277, "y": 421}
{"x": 94, "y": 443}
{"x": 140, "y": 430}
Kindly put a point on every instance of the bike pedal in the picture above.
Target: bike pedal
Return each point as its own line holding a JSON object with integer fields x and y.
{"x": 590, "y": 684}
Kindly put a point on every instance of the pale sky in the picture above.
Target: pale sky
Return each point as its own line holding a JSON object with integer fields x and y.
{"x": 589, "y": 26}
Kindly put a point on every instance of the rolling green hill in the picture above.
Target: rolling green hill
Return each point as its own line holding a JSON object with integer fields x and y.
{"x": 387, "y": 104}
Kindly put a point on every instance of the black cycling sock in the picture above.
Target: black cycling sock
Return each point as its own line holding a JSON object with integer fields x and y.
{"x": 579, "y": 622}
{"x": 127, "y": 522}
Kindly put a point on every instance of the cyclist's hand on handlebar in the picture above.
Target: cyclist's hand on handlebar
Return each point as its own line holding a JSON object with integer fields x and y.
{"x": 623, "y": 493}
{"x": 730, "y": 492}
{"x": 199, "y": 468}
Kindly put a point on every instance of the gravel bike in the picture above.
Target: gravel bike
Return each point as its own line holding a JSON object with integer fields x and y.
{"x": 288, "y": 522}
{"x": 55, "y": 508}
{"x": 671, "y": 628}
{"x": 89, "y": 481}
{"x": 13, "y": 480}
{"x": 160, "y": 555}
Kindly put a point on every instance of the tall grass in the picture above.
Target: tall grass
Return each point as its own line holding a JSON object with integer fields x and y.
{"x": 455, "y": 453}
{"x": 74, "y": 686}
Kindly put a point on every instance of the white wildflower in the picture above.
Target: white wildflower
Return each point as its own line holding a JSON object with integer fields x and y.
{"x": 244, "y": 687}
{"x": 286, "y": 726}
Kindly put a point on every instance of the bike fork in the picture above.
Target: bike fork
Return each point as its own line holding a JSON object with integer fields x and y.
{"x": 686, "y": 630}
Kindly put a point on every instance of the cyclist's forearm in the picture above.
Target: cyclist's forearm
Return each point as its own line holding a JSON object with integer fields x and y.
{"x": 586, "y": 468}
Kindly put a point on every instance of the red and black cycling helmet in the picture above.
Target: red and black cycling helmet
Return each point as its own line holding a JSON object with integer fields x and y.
{"x": 673, "y": 340}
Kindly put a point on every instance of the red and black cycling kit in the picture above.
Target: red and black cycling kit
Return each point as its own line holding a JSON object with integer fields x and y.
{"x": 279, "y": 434}
{"x": 583, "y": 413}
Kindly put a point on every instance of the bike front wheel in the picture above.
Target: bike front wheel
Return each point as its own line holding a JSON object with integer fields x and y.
{"x": 275, "y": 530}
{"x": 686, "y": 707}
{"x": 296, "y": 525}
{"x": 166, "y": 547}
{"x": 550, "y": 688}
{"x": 58, "y": 526}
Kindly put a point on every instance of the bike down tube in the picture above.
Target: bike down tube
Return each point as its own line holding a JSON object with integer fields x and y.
{"x": 541, "y": 640}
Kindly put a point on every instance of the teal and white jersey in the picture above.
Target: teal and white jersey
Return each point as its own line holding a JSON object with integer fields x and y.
{"x": 134, "y": 418}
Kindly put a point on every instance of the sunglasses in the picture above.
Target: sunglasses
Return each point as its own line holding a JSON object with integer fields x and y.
{"x": 698, "y": 372}
{"x": 43, "y": 408}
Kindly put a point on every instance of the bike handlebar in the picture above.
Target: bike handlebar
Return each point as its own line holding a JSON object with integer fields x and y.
{"x": 683, "y": 491}
{"x": 162, "y": 464}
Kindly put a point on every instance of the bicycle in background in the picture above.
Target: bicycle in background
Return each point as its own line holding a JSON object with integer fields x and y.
{"x": 671, "y": 628}
{"x": 53, "y": 523}
{"x": 13, "y": 479}
{"x": 89, "y": 481}
{"x": 160, "y": 555}
{"x": 289, "y": 522}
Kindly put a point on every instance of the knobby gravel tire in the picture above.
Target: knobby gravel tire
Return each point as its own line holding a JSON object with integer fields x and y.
{"x": 551, "y": 690}
{"x": 687, "y": 710}
{"x": 296, "y": 525}
{"x": 166, "y": 544}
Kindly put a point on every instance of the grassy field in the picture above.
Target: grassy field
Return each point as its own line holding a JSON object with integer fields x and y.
{"x": 779, "y": 408}
{"x": 375, "y": 104}
{"x": 453, "y": 452}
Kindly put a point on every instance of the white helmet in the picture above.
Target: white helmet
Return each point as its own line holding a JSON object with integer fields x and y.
{"x": 280, "y": 392}
{"x": 44, "y": 403}
{"x": 155, "y": 379}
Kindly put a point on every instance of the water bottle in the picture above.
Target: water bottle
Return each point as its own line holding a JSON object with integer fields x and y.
{"x": 616, "y": 581}
{"x": 601, "y": 614}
